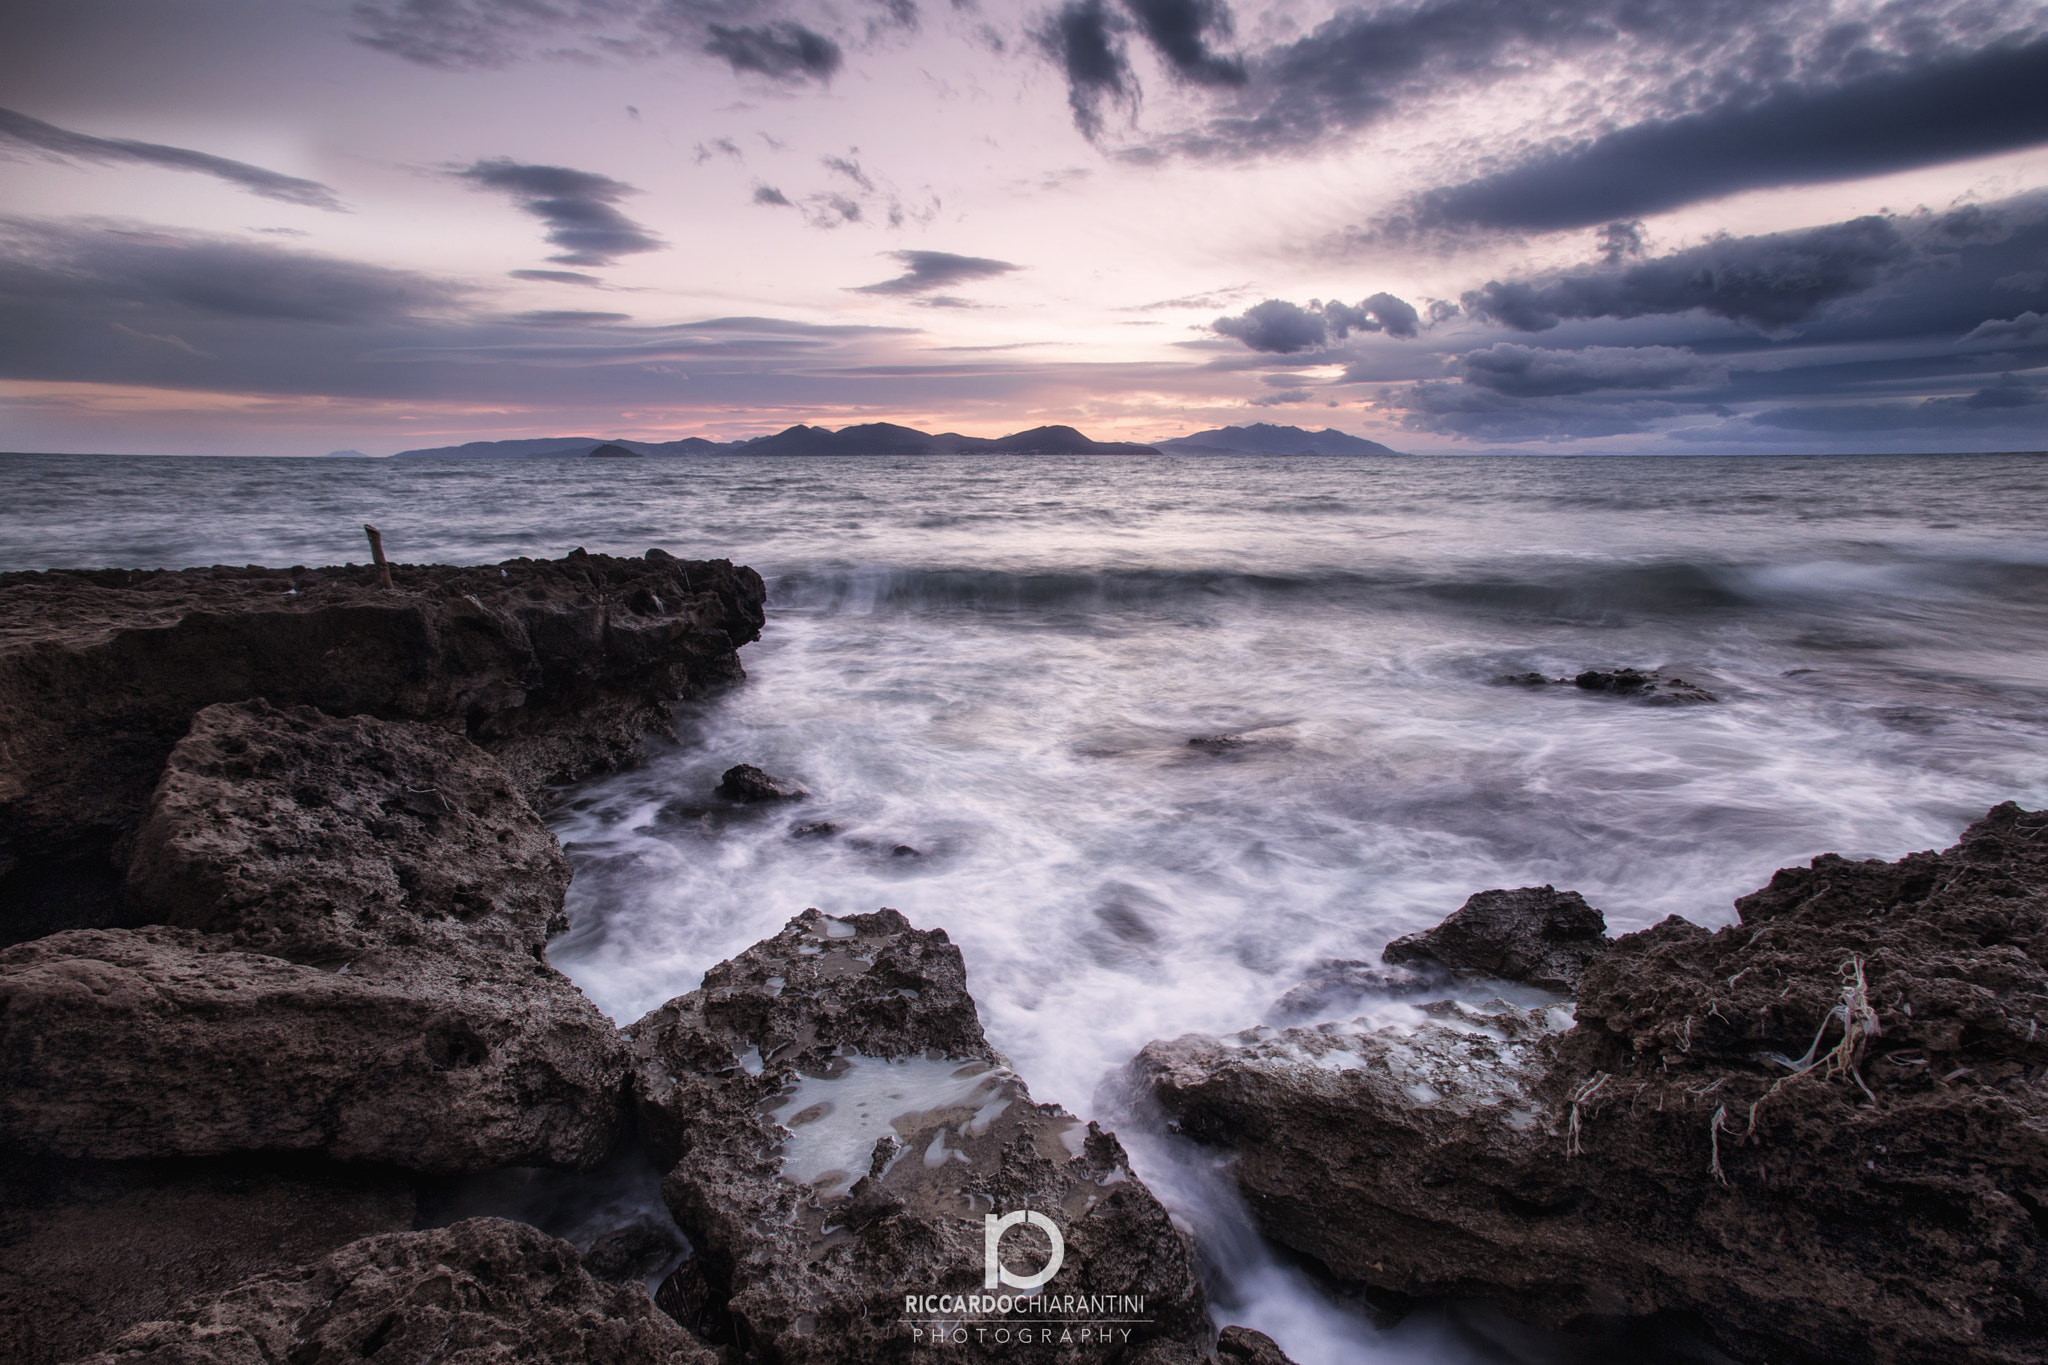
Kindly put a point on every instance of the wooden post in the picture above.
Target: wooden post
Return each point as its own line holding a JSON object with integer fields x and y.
{"x": 377, "y": 554}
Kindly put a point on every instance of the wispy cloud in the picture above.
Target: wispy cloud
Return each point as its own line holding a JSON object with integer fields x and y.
{"x": 20, "y": 132}
{"x": 925, "y": 271}
{"x": 576, "y": 206}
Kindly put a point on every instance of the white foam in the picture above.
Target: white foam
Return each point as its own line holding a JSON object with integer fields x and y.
{"x": 834, "y": 1124}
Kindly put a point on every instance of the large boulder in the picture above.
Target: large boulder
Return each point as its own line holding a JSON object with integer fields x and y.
{"x": 1817, "y": 1135}
{"x": 318, "y": 839}
{"x": 480, "y": 1292}
{"x": 844, "y": 1135}
{"x": 559, "y": 668}
{"x": 1538, "y": 936}
{"x": 353, "y": 967}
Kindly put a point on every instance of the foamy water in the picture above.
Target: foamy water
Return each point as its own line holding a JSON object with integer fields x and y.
{"x": 987, "y": 672}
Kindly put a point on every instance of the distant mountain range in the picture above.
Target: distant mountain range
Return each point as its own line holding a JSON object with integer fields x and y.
{"x": 884, "y": 438}
{"x": 1263, "y": 438}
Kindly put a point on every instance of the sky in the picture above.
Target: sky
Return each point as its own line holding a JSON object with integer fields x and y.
{"x": 1540, "y": 226}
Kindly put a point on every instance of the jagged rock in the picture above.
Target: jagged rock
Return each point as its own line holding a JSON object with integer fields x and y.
{"x": 557, "y": 667}
{"x": 1242, "y": 1344}
{"x": 1818, "y": 1135}
{"x": 749, "y": 784}
{"x": 1650, "y": 689}
{"x": 1537, "y": 935}
{"x": 1337, "y": 983}
{"x": 124, "y": 1044}
{"x": 842, "y": 1129}
{"x": 319, "y": 839}
{"x": 483, "y": 1290}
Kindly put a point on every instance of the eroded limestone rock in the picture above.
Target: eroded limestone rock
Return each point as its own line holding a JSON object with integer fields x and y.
{"x": 1818, "y": 1135}
{"x": 842, "y": 1130}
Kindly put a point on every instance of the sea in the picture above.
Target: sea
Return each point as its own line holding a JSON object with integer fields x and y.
{"x": 987, "y": 672}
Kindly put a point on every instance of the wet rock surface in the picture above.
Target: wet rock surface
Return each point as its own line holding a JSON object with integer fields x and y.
{"x": 1537, "y": 935}
{"x": 1819, "y": 1135}
{"x": 1652, "y": 688}
{"x": 483, "y": 1290}
{"x": 559, "y": 668}
{"x": 1337, "y": 983}
{"x": 748, "y": 784}
{"x": 841, "y": 1131}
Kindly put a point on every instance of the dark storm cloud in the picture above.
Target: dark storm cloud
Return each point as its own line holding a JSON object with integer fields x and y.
{"x": 2025, "y": 327}
{"x": 48, "y": 265}
{"x": 924, "y": 271}
{"x": 576, "y": 206}
{"x": 1535, "y": 372}
{"x": 117, "y": 304}
{"x": 472, "y": 34}
{"x": 1770, "y": 282}
{"x": 785, "y": 51}
{"x": 2013, "y": 401}
{"x": 1985, "y": 102}
{"x": 555, "y": 276}
{"x": 21, "y": 131}
{"x": 1083, "y": 39}
{"x": 1283, "y": 328}
{"x": 1382, "y": 311}
{"x": 489, "y": 34}
{"x": 1181, "y": 32}
{"x": 1453, "y": 409}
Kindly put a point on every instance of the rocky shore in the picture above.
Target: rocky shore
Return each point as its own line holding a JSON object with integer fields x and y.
{"x": 1817, "y": 1135}
{"x": 277, "y": 1023}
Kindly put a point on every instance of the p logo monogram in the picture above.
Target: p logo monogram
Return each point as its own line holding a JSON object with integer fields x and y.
{"x": 994, "y": 1273}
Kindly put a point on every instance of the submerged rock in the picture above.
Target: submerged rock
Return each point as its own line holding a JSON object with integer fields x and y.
{"x": 1338, "y": 983}
{"x": 843, "y": 1136}
{"x": 1651, "y": 688}
{"x": 559, "y": 668}
{"x": 1538, "y": 936}
{"x": 749, "y": 784}
{"x": 481, "y": 1290}
{"x": 1815, "y": 1136}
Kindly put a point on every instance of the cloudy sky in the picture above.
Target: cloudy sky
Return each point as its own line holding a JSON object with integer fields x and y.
{"x": 1677, "y": 226}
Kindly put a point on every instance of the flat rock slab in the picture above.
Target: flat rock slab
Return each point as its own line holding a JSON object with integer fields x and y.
{"x": 560, "y": 668}
{"x": 843, "y": 1135}
{"x": 481, "y": 1292}
{"x": 121, "y": 1044}
{"x": 1538, "y": 936}
{"x": 1819, "y": 1135}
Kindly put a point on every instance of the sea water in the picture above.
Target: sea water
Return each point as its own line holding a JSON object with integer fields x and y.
{"x": 986, "y": 673}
